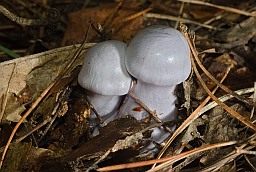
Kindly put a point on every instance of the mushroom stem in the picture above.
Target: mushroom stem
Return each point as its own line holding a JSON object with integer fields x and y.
{"x": 158, "y": 98}
{"x": 105, "y": 105}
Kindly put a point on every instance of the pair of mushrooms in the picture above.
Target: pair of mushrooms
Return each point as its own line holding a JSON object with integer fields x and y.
{"x": 158, "y": 57}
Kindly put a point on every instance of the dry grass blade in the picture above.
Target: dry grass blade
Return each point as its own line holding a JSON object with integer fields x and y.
{"x": 95, "y": 111}
{"x": 133, "y": 16}
{"x": 228, "y": 158}
{"x": 228, "y": 109}
{"x": 120, "y": 23}
{"x": 170, "y": 162}
{"x": 173, "y": 18}
{"x": 254, "y": 100}
{"x": 234, "y": 10}
{"x": 111, "y": 16}
{"x": 223, "y": 87}
{"x": 20, "y": 20}
{"x": 225, "y": 98}
{"x": 41, "y": 96}
{"x": 250, "y": 163}
{"x": 174, "y": 158}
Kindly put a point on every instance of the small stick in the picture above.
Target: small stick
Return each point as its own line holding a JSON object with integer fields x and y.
{"x": 180, "y": 13}
{"x": 250, "y": 163}
{"x": 225, "y": 98}
{"x": 29, "y": 22}
{"x": 51, "y": 120}
{"x": 47, "y": 120}
{"x": 133, "y": 16}
{"x": 94, "y": 110}
{"x": 118, "y": 24}
{"x": 254, "y": 100}
{"x": 217, "y": 16}
{"x": 111, "y": 16}
{"x": 233, "y": 10}
{"x": 173, "y": 158}
{"x": 174, "y": 18}
{"x": 126, "y": 97}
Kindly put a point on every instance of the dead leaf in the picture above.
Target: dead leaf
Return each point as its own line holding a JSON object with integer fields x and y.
{"x": 13, "y": 109}
{"x": 79, "y": 21}
{"x": 35, "y": 71}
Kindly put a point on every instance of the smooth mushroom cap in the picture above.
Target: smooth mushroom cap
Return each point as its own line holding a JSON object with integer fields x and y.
{"x": 159, "y": 55}
{"x": 103, "y": 71}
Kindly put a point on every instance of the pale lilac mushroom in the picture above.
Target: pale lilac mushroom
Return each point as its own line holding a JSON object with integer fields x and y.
{"x": 158, "y": 57}
{"x": 104, "y": 77}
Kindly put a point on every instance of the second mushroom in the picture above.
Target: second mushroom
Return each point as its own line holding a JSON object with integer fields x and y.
{"x": 104, "y": 77}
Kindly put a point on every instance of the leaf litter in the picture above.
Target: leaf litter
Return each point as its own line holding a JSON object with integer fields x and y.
{"x": 60, "y": 125}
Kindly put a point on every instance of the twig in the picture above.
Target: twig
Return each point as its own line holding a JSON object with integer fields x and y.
{"x": 42, "y": 95}
{"x": 180, "y": 12}
{"x": 228, "y": 158}
{"x": 55, "y": 112}
{"x": 217, "y": 16}
{"x": 250, "y": 163}
{"x": 225, "y": 98}
{"x": 51, "y": 120}
{"x": 174, "y": 18}
{"x": 133, "y": 16}
{"x": 94, "y": 110}
{"x": 111, "y": 16}
{"x": 126, "y": 97}
{"x": 170, "y": 162}
{"x": 234, "y": 10}
{"x": 243, "y": 151}
{"x": 53, "y": 16}
{"x": 5, "y": 97}
{"x": 33, "y": 130}
{"x": 94, "y": 166}
{"x": 116, "y": 26}
{"x": 173, "y": 158}
{"x": 254, "y": 100}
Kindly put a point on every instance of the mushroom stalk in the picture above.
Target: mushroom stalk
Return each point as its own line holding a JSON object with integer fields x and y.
{"x": 158, "y": 98}
{"x": 105, "y": 105}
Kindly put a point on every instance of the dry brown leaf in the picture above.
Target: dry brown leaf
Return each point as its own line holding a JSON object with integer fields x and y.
{"x": 13, "y": 110}
{"x": 79, "y": 22}
{"x": 35, "y": 71}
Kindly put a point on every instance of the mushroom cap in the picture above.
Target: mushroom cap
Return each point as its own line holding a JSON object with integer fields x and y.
{"x": 103, "y": 71}
{"x": 159, "y": 55}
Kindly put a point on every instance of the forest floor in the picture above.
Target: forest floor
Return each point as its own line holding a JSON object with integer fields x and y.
{"x": 44, "y": 113}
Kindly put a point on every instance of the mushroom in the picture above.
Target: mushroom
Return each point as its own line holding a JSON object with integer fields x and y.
{"x": 158, "y": 57}
{"x": 104, "y": 77}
